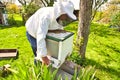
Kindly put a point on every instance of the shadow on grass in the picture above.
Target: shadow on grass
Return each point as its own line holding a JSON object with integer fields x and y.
{"x": 95, "y": 28}
{"x": 103, "y": 30}
{"x": 106, "y": 49}
{"x": 107, "y": 69}
{"x": 114, "y": 48}
{"x": 87, "y": 62}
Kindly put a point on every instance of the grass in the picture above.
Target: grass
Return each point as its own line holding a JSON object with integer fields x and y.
{"x": 103, "y": 49}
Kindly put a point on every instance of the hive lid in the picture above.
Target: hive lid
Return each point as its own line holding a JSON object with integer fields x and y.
{"x": 58, "y": 35}
{"x": 8, "y": 53}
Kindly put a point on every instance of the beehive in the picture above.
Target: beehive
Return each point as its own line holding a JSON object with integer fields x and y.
{"x": 59, "y": 45}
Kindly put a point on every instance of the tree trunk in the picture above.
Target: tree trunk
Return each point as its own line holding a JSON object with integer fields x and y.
{"x": 85, "y": 15}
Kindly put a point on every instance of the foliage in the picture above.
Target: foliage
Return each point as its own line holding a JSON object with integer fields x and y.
{"x": 98, "y": 16}
{"x": 96, "y": 5}
{"x": 30, "y": 6}
{"x": 111, "y": 14}
{"x": 108, "y": 13}
{"x": 111, "y": 10}
{"x": 11, "y": 20}
{"x": 115, "y": 19}
{"x": 34, "y": 72}
{"x": 12, "y": 8}
{"x": 87, "y": 73}
{"x": 47, "y": 2}
{"x": 30, "y": 9}
{"x": 115, "y": 2}
{"x": 39, "y": 72}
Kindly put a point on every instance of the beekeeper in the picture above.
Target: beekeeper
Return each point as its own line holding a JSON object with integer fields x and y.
{"x": 44, "y": 19}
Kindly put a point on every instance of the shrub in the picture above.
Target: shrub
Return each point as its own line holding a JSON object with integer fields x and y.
{"x": 105, "y": 17}
{"x": 12, "y": 8}
{"x": 11, "y": 20}
{"x": 115, "y": 19}
{"x": 28, "y": 11}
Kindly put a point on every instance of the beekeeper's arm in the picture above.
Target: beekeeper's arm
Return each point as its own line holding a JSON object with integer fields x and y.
{"x": 41, "y": 43}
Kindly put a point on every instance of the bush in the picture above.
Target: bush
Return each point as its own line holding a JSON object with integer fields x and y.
{"x": 105, "y": 17}
{"x": 11, "y": 20}
{"x": 28, "y": 11}
{"x": 12, "y": 8}
{"x": 115, "y": 19}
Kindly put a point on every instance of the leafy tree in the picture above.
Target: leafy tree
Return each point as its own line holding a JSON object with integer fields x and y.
{"x": 12, "y": 8}
{"x": 96, "y": 5}
{"x": 28, "y": 5}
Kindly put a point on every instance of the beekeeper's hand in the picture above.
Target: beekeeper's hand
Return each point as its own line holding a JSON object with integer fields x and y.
{"x": 45, "y": 60}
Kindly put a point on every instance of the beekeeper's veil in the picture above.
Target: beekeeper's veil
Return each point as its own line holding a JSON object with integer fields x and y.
{"x": 64, "y": 7}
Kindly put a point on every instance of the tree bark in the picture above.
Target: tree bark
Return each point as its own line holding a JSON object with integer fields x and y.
{"x": 85, "y": 15}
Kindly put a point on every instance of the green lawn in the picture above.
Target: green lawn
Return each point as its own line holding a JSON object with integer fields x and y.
{"x": 103, "y": 48}
{"x": 103, "y": 51}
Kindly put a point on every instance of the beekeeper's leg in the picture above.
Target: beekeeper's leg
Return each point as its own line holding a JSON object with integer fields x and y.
{"x": 33, "y": 43}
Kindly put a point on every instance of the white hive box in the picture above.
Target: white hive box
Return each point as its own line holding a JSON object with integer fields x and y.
{"x": 59, "y": 45}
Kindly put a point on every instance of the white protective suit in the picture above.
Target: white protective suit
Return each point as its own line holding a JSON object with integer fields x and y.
{"x": 40, "y": 22}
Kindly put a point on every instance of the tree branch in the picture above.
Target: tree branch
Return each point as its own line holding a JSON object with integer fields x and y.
{"x": 97, "y": 5}
{"x": 43, "y": 2}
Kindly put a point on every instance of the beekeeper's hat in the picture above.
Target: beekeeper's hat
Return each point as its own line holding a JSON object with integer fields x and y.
{"x": 68, "y": 8}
